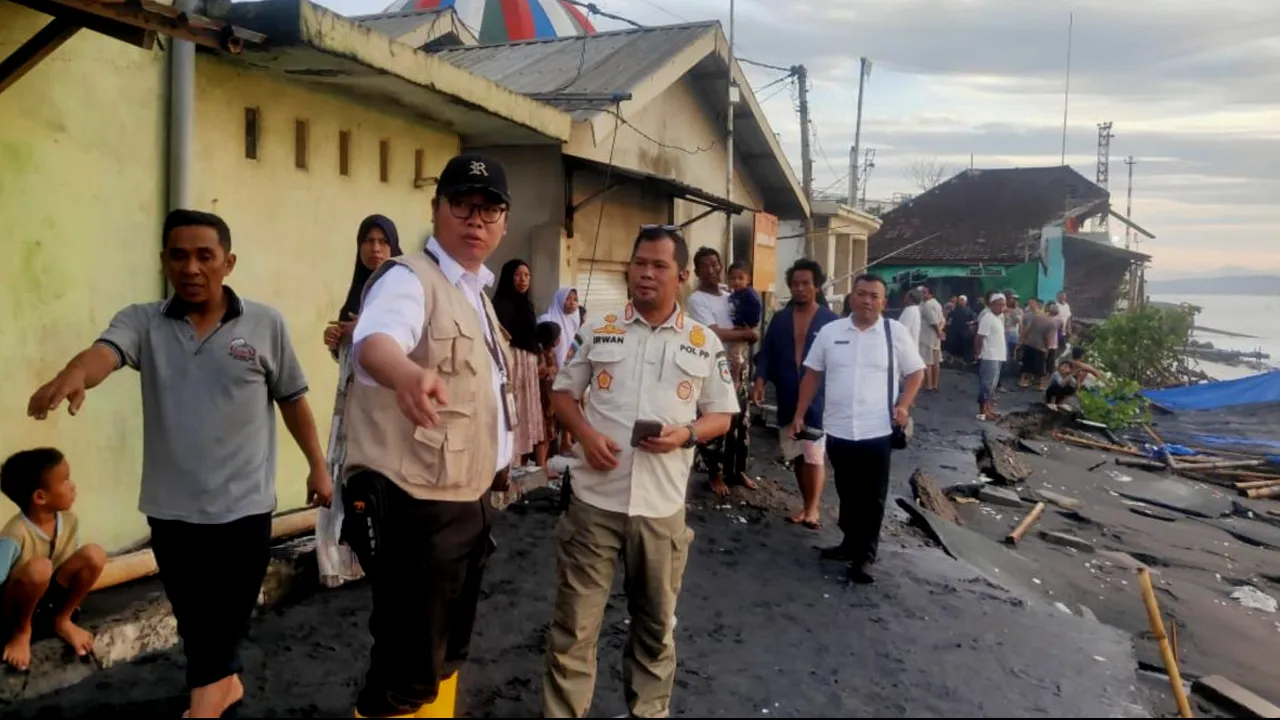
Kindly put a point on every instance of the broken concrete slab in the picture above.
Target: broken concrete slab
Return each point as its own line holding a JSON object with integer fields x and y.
{"x": 994, "y": 561}
{"x": 1065, "y": 540}
{"x": 1256, "y": 510}
{"x": 1123, "y": 560}
{"x": 1155, "y": 513}
{"x": 1040, "y": 495}
{"x": 1000, "y": 460}
{"x": 1174, "y": 494}
{"x": 1260, "y": 534}
{"x": 1230, "y": 696}
{"x": 929, "y": 497}
{"x": 993, "y": 495}
{"x": 1035, "y": 447}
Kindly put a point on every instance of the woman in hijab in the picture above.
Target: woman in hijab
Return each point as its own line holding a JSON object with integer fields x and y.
{"x": 564, "y": 312}
{"x": 376, "y": 242}
{"x": 514, "y": 309}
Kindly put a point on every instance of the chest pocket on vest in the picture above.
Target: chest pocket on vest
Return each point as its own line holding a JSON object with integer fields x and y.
{"x": 453, "y": 348}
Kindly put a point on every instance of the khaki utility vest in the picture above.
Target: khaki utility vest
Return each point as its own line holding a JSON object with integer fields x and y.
{"x": 453, "y": 461}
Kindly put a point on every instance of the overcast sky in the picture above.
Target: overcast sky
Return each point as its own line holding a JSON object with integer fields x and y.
{"x": 1193, "y": 89}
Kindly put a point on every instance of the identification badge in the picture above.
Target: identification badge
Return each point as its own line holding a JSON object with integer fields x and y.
{"x": 510, "y": 399}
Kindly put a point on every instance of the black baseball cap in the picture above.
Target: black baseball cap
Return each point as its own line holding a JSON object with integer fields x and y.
{"x": 473, "y": 173}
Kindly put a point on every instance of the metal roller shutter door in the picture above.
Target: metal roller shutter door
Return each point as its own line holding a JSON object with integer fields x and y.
{"x": 607, "y": 291}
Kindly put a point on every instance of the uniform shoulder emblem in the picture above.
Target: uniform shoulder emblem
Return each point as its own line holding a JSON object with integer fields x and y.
{"x": 697, "y": 336}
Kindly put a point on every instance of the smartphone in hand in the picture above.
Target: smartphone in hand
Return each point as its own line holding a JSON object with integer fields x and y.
{"x": 810, "y": 434}
{"x": 643, "y": 430}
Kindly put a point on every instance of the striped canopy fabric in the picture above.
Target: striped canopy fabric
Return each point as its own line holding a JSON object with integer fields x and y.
{"x": 503, "y": 21}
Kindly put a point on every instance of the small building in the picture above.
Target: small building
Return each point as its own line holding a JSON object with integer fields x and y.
{"x": 649, "y": 146}
{"x": 1018, "y": 228}
{"x": 301, "y": 127}
{"x": 838, "y": 241}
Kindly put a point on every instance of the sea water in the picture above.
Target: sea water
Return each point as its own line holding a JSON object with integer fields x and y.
{"x": 1254, "y": 315}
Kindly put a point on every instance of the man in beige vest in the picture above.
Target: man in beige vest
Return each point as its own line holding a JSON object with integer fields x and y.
{"x": 429, "y": 423}
{"x": 651, "y": 370}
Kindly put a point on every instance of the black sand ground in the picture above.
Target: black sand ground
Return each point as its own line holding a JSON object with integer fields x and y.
{"x": 765, "y": 628}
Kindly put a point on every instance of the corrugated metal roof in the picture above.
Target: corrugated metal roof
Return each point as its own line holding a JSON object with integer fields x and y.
{"x": 609, "y": 62}
{"x": 985, "y": 216}
{"x": 399, "y": 24}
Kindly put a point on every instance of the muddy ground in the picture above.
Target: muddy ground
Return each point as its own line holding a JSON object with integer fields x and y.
{"x": 765, "y": 627}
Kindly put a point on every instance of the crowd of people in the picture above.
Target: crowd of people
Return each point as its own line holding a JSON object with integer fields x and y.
{"x": 441, "y": 393}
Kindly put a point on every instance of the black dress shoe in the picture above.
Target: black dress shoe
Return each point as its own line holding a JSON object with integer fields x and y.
{"x": 861, "y": 575}
{"x": 838, "y": 552}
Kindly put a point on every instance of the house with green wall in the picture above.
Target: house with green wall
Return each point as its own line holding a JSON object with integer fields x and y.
{"x": 1014, "y": 228}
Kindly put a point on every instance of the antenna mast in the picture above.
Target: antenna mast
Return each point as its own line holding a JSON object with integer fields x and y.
{"x": 1104, "y": 164}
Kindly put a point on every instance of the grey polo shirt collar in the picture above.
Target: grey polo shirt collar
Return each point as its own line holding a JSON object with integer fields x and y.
{"x": 175, "y": 308}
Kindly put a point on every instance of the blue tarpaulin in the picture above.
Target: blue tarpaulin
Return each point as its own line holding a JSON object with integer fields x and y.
{"x": 1252, "y": 390}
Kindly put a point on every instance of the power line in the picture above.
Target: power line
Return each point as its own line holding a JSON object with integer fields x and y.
{"x": 767, "y": 66}
{"x": 654, "y": 140}
{"x": 592, "y": 8}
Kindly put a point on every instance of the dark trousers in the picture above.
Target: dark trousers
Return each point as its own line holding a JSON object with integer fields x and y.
{"x": 861, "y": 469}
{"x": 1057, "y": 393}
{"x": 425, "y": 560}
{"x": 212, "y": 575}
{"x": 727, "y": 455}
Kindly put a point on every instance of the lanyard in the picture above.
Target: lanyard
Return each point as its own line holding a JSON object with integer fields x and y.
{"x": 491, "y": 344}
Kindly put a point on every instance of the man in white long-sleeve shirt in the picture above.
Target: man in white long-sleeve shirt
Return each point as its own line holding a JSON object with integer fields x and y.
{"x": 910, "y": 317}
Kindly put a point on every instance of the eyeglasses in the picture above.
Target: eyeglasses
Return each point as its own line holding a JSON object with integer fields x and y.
{"x": 463, "y": 210}
{"x": 675, "y": 229}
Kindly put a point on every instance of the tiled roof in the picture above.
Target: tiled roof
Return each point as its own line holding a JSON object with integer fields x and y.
{"x": 988, "y": 216}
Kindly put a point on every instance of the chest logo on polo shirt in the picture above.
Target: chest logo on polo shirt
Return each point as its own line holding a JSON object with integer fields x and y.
{"x": 611, "y": 318}
{"x": 604, "y": 380}
{"x": 609, "y": 329}
{"x": 241, "y": 350}
{"x": 685, "y": 390}
{"x": 697, "y": 336}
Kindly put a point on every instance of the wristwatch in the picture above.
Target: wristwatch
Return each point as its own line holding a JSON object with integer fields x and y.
{"x": 693, "y": 437}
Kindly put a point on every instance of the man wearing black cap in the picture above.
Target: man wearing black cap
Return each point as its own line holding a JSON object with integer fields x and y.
{"x": 428, "y": 435}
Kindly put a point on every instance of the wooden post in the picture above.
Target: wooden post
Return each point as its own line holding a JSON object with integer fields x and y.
{"x": 1013, "y": 537}
{"x": 1166, "y": 652}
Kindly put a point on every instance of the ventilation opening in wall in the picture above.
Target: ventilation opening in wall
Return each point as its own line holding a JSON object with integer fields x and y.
{"x": 252, "y": 132}
{"x": 384, "y": 160}
{"x": 344, "y": 152}
{"x": 419, "y": 161}
{"x": 301, "y": 136}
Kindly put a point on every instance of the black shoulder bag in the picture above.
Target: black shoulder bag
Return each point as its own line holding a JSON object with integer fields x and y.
{"x": 898, "y": 439}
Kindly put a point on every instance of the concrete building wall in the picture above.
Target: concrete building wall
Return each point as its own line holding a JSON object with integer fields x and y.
{"x": 82, "y": 198}
{"x": 294, "y": 229}
{"x": 674, "y": 135}
{"x": 534, "y": 233}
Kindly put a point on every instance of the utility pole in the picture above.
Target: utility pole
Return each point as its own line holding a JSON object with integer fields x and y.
{"x": 855, "y": 153}
{"x": 868, "y": 164}
{"x": 801, "y": 74}
{"x": 1134, "y": 298}
{"x": 1128, "y": 204}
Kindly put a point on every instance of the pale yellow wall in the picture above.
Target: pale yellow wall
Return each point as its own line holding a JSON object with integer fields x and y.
{"x": 81, "y": 203}
{"x": 294, "y": 231}
{"x": 674, "y": 135}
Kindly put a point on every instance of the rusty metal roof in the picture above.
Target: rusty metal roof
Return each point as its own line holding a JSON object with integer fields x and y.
{"x": 601, "y": 64}
{"x": 991, "y": 216}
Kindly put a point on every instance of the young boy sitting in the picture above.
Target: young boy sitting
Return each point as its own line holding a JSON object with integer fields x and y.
{"x": 747, "y": 310}
{"x": 44, "y": 571}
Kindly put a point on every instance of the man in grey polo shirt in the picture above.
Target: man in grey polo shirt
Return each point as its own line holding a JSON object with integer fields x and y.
{"x": 213, "y": 366}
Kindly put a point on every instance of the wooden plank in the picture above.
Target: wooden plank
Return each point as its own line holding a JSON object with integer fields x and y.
{"x": 33, "y": 51}
{"x": 764, "y": 263}
{"x": 162, "y": 19}
{"x": 139, "y": 37}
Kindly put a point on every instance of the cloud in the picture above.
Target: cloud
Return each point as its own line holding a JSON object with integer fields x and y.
{"x": 1193, "y": 91}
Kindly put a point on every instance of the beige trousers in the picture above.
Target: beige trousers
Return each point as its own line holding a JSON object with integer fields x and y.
{"x": 654, "y": 553}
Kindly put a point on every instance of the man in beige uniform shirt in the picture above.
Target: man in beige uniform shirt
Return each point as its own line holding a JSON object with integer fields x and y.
{"x": 646, "y": 362}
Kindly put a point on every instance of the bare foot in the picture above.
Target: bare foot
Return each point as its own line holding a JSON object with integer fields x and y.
{"x": 17, "y": 652}
{"x": 718, "y": 487}
{"x": 212, "y": 701}
{"x": 745, "y": 481}
{"x": 797, "y": 518}
{"x": 78, "y": 638}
